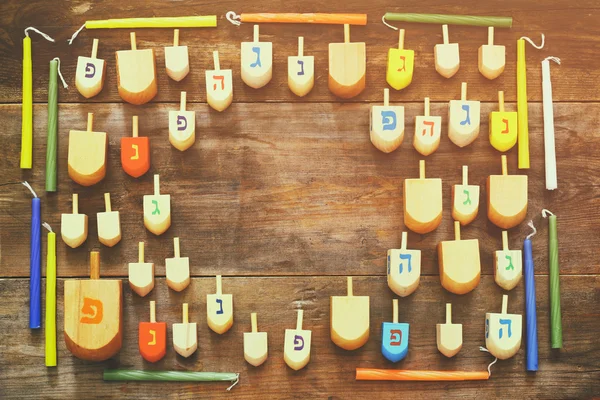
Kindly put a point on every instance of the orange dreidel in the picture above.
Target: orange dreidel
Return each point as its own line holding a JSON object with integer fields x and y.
{"x": 503, "y": 127}
{"x": 74, "y": 227}
{"x": 347, "y": 67}
{"x": 422, "y": 202}
{"x": 465, "y": 199}
{"x": 403, "y": 269}
{"x": 109, "y": 224}
{"x": 349, "y": 319}
{"x": 463, "y": 119}
{"x": 178, "y": 269}
{"x": 185, "y": 335}
{"x": 141, "y": 274}
{"x": 219, "y": 86}
{"x": 136, "y": 74}
{"x": 296, "y": 347}
{"x": 459, "y": 263}
{"x": 507, "y": 198}
{"x": 90, "y": 72}
{"x": 177, "y": 60}
{"x": 182, "y": 126}
{"x": 219, "y": 310}
{"x": 508, "y": 267}
{"x": 503, "y": 332}
{"x": 135, "y": 152}
{"x": 387, "y": 125}
{"x": 157, "y": 210}
{"x": 428, "y": 131}
{"x": 301, "y": 71}
{"x": 87, "y": 155}
{"x": 152, "y": 337}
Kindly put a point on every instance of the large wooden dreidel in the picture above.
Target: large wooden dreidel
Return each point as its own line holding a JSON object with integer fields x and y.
{"x": 93, "y": 315}
{"x": 449, "y": 335}
{"x": 508, "y": 267}
{"x": 219, "y": 310}
{"x": 152, "y": 337}
{"x": 503, "y": 127}
{"x": 465, "y": 200}
{"x": 422, "y": 202}
{"x": 182, "y": 126}
{"x": 400, "y": 65}
{"x": 157, "y": 210}
{"x": 177, "y": 269}
{"x": 136, "y": 74}
{"x": 507, "y": 198}
{"x": 503, "y": 332}
{"x": 109, "y": 224}
{"x": 347, "y": 67}
{"x": 463, "y": 119}
{"x": 492, "y": 58}
{"x": 446, "y": 56}
{"x": 301, "y": 71}
{"x": 74, "y": 227}
{"x": 219, "y": 86}
{"x": 87, "y": 155}
{"x": 387, "y": 125}
{"x": 394, "y": 337}
{"x": 177, "y": 61}
{"x": 185, "y": 335}
{"x": 459, "y": 263}
{"x": 256, "y": 348}
{"x": 428, "y": 131}
{"x": 403, "y": 269}
{"x": 135, "y": 152}
{"x": 349, "y": 319}
{"x": 90, "y": 72}
{"x": 141, "y": 274}
{"x": 257, "y": 62}
{"x": 296, "y": 348}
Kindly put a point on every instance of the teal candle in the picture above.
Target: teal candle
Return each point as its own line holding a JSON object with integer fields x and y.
{"x": 51, "y": 145}
{"x": 555, "y": 314}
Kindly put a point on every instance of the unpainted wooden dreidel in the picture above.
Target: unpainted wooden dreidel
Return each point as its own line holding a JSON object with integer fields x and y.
{"x": 492, "y": 58}
{"x": 87, "y": 155}
{"x": 503, "y": 332}
{"x": 349, "y": 319}
{"x": 422, "y": 202}
{"x": 459, "y": 263}
{"x": 152, "y": 337}
{"x": 136, "y": 74}
{"x": 257, "y": 62}
{"x": 403, "y": 269}
{"x": 256, "y": 347}
{"x": 182, "y": 126}
{"x": 400, "y": 65}
{"x": 508, "y": 267}
{"x": 347, "y": 67}
{"x": 157, "y": 210}
{"x": 465, "y": 200}
{"x": 141, "y": 274}
{"x": 446, "y": 56}
{"x": 219, "y": 86}
{"x": 463, "y": 119}
{"x": 507, "y": 198}
{"x": 74, "y": 227}
{"x": 177, "y": 61}
{"x": 296, "y": 348}
{"x": 185, "y": 335}
{"x": 387, "y": 125}
{"x": 503, "y": 127}
{"x": 135, "y": 152}
{"x": 178, "y": 269}
{"x": 93, "y": 315}
{"x": 109, "y": 224}
{"x": 219, "y": 310}
{"x": 428, "y": 131}
{"x": 301, "y": 71}
{"x": 90, "y": 72}
{"x": 449, "y": 335}
{"x": 394, "y": 337}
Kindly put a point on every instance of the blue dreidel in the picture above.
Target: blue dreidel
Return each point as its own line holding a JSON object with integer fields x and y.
{"x": 394, "y": 337}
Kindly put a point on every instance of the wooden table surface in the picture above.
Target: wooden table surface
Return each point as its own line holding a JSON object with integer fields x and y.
{"x": 285, "y": 197}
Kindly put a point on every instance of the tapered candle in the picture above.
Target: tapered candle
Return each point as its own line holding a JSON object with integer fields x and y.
{"x": 530, "y": 305}
{"x": 50, "y": 324}
{"x": 371, "y": 374}
{"x": 51, "y": 144}
{"x": 298, "y": 18}
{"x": 554, "y": 275}
{"x": 34, "y": 261}
{"x": 170, "y": 376}
{"x": 549, "y": 145}
{"x": 442, "y": 19}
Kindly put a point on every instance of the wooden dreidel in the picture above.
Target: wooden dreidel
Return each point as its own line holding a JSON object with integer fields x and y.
{"x": 446, "y": 56}
{"x": 135, "y": 152}
{"x": 177, "y": 61}
{"x": 87, "y": 155}
{"x": 347, "y": 67}
{"x": 387, "y": 125}
{"x": 157, "y": 210}
{"x": 178, "y": 269}
{"x": 182, "y": 126}
{"x": 492, "y": 58}
{"x": 465, "y": 200}
{"x": 463, "y": 119}
{"x": 219, "y": 310}
{"x": 93, "y": 315}
{"x": 394, "y": 337}
{"x": 403, "y": 269}
{"x": 301, "y": 71}
{"x": 185, "y": 336}
{"x": 109, "y": 224}
{"x": 507, "y": 198}
{"x": 152, "y": 337}
{"x": 449, "y": 335}
{"x": 136, "y": 74}
{"x": 256, "y": 347}
{"x": 219, "y": 86}
{"x": 400, "y": 65}
{"x": 422, "y": 202}
{"x": 296, "y": 348}
{"x": 74, "y": 227}
{"x": 459, "y": 263}
{"x": 508, "y": 267}
{"x": 428, "y": 131}
{"x": 349, "y": 319}
{"x": 141, "y": 274}
{"x": 503, "y": 127}
{"x": 257, "y": 62}
{"x": 503, "y": 332}
{"x": 89, "y": 75}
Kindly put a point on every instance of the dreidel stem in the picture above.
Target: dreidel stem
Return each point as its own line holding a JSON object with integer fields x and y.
{"x": 254, "y": 322}
{"x": 182, "y": 101}
{"x": 395, "y": 311}
{"x": 185, "y": 313}
{"x": 346, "y": 33}
{"x": 219, "y": 285}
{"x": 501, "y": 101}
{"x": 132, "y": 39}
{"x": 94, "y": 265}
{"x": 256, "y": 33}
{"x": 491, "y": 36}
{"x": 152, "y": 311}
{"x": 465, "y": 175}
{"x": 427, "y": 106}
{"x": 135, "y": 126}
{"x": 445, "y": 34}
{"x": 401, "y": 39}
{"x": 107, "y": 202}
{"x": 456, "y": 230}
{"x": 176, "y": 38}
{"x": 300, "y": 46}
{"x": 216, "y": 60}
{"x": 448, "y": 313}
{"x": 90, "y": 122}
{"x": 156, "y": 185}
{"x": 75, "y": 203}
{"x": 404, "y": 240}
{"x": 463, "y": 91}
{"x": 94, "y": 49}
{"x": 505, "y": 240}
{"x": 504, "y": 304}
{"x": 176, "y": 247}
{"x": 504, "y": 166}
{"x": 421, "y": 169}
{"x": 386, "y": 97}
{"x": 349, "y": 283}
{"x": 141, "y": 252}
{"x": 299, "y": 320}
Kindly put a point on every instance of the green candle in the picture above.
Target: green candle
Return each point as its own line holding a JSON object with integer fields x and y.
{"x": 170, "y": 376}
{"x": 555, "y": 317}
{"x": 51, "y": 146}
{"x": 474, "y": 20}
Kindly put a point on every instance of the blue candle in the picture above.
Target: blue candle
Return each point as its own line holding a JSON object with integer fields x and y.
{"x": 35, "y": 316}
{"x": 530, "y": 310}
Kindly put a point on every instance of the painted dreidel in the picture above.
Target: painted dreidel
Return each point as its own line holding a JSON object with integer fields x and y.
{"x": 449, "y": 335}
{"x": 87, "y": 155}
{"x": 157, "y": 210}
{"x": 219, "y": 86}
{"x": 136, "y": 74}
{"x": 177, "y": 61}
{"x": 387, "y": 125}
{"x": 446, "y": 56}
{"x": 185, "y": 335}
{"x": 347, "y": 67}
{"x": 301, "y": 71}
{"x": 463, "y": 119}
{"x": 90, "y": 72}
{"x": 507, "y": 198}
{"x": 394, "y": 337}
{"x": 400, "y": 65}
{"x": 135, "y": 152}
{"x": 257, "y": 62}
{"x": 74, "y": 227}
{"x": 503, "y": 332}
{"x": 177, "y": 269}
{"x": 349, "y": 319}
{"x": 219, "y": 310}
{"x": 93, "y": 315}
{"x": 503, "y": 127}
{"x": 428, "y": 131}
{"x": 403, "y": 269}
{"x": 109, "y": 224}
{"x": 152, "y": 337}
{"x": 492, "y": 58}
{"x": 256, "y": 349}
{"x": 465, "y": 200}
{"x": 296, "y": 348}
{"x": 460, "y": 267}
{"x": 422, "y": 202}
{"x": 141, "y": 274}
{"x": 508, "y": 267}
{"x": 182, "y": 126}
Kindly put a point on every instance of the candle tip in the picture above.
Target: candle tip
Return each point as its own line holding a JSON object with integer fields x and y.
{"x": 546, "y": 213}
{"x": 234, "y": 19}
{"x": 28, "y": 186}
{"x": 530, "y": 224}
{"x": 47, "y": 226}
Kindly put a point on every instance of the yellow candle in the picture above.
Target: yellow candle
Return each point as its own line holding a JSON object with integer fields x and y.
{"x": 50, "y": 327}
{"x": 27, "y": 110}
{"x": 200, "y": 21}
{"x": 522, "y": 118}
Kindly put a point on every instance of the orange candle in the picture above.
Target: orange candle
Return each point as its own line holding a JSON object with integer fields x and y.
{"x": 306, "y": 18}
{"x": 370, "y": 374}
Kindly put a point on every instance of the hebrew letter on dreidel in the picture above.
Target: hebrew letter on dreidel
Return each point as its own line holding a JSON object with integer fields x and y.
{"x": 92, "y": 311}
{"x": 404, "y": 277}
{"x": 468, "y": 198}
{"x": 510, "y": 264}
{"x": 430, "y": 125}
{"x": 505, "y": 122}
{"x": 395, "y": 337}
{"x": 467, "y": 120}
{"x": 90, "y": 70}
{"x": 388, "y": 119}
{"x": 220, "y": 303}
{"x": 153, "y": 341}
{"x": 181, "y": 123}
{"x": 405, "y": 257}
{"x": 257, "y": 62}
{"x": 298, "y": 342}
{"x": 301, "y": 64}
{"x": 136, "y": 155}
{"x": 156, "y": 210}
{"x": 220, "y": 78}
{"x": 508, "y": 323}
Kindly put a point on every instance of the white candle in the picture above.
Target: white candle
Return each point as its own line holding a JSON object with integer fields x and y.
{"x": 549, "y": 146}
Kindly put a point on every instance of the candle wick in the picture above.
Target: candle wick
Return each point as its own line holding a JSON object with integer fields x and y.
{"x": 45, "y": 36}
{"x": 552, "y": 58}
{"x": 77, "y": 32}
{"x": 386, "y": 24}
{"x": 545, "y": 213}
{"x": 541, "y": 46}
{"x": 237, "y": 379}
{"x": 28, "y": 186}
{"x": 234, "y": 19}
{"x": 60, "y": 73}
{"x": 47, "y": 226}
{"x": 530, "y": 224}
{"x": 481, "y": 348}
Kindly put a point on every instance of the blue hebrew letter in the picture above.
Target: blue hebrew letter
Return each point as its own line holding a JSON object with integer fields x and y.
{"x": 505, "y": 322}
{"x": 257, "y": 62}
{"x": 405, "y": 257}
{"x": 388, "y": 119}
{"x": 301, "y": 63}
{"x": 388, "y": 264}
{"x": 487, "y": 328}
{"x": 220, "y": 303}
{"x": 467, "y": 120}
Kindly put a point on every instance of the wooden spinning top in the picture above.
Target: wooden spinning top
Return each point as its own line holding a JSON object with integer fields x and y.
{"x": 87, "y": 155}
{"x": 446, "y": 56}
{"x": 177, "y": 60}
{"x": 491, "y": 57}
{"x": 152, "y": 337}
{"x": 400, "y": 65}
{"x": 449, "y": 335}
{"x": 387, "y": 125}
{"x": 403, "y": 269}
{"x": 428, "y": 131}
{"x": 503, "y": 127}
{"x": 463, "y": 119}
{"x": 422, "y": 202}
{"x": 256, "y": 348}
{"x": 219, "y": 86}
{"x": 465, "y": 200}
{"x": 109, "y": 224}
{"x": 508, "y": 267}
{"x": 301, "y": 71}
{"x": 507, "y": 198}
{"x": 349, "y": 319}
{"x": 503, "y": 332}
{"x": 141, "y": 274}
{"x": 256, "y": 61}
{"x": 185, "y": 335}
{"x": 394, "y": 337}
{"x": 219, "y": 310}
{"x": 459, "y": 263}
{"x": 136, "y": 74}
{"x": 296, "y": 349}
{"x": 347, "y": 67}
{"x": 74, "y": 227}
{"x": 90, "y": 72}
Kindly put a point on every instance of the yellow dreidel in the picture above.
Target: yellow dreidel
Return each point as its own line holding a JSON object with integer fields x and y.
{"x": 508, "y": 267}
{"x": 492, "y": 58}
{"x": 177, "y": 61}
{"x": 90, "y": 72}
{"x": 74, "y": 227}
{"x": 177, "y": 269}
{"x": 503, "y": 127}
{"x": 185, "y": 335}
{"x": 87, "y": 155}
{"x": 428, "y": 131}
{"x": 465, "y": 200}
{"x": 463, "y": 119}
{"x": 296, "y": 348}
{"x": 219, "y": 310}
{"x": 256, "y": 347}
{"x": 257, "y": 62}
{"x": 136, "y": 74}
{"x": 109, "y": 224}
{"x": 403, "y": 269}
{"x": 422, "y": 202}
{"x": 387, "y": 125}
{"x": 141, "y": 274}
{"x": 301, "y": 71}
{"x": 182, "y": 126}
{"x": 459, "y": 263}
{"x": 400, "y": 65}
{"x": 347, "y": 67}
{"x": 507, "y": 198}
{"x": 349, "y": 319}
{"x": 503, "y": 332}
{"x": 449, "y": 335}
{"x": 446, "y": 56}
{"x": 157, "y": 210}
{"x": 219, "y": 86}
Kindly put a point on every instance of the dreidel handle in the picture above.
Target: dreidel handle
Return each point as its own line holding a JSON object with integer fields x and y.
{"x": 401, "y": 39}
{"x": 299, "y": 320}
{"x": 107, "y": 202}
{"x": 135, "y": 129}
{"x": 90, "y": 122}
{"x": 505, "y": 304}
{"x": 141, "y": 252}
{"x": 176, "y": 37}
{"x": 504, "y": 165}
{"x": 346, "y": 33}
{"x": 395, "y": 311}
{"x": 132, "y": 39}
{"x": 448, "y": 313}
{"x": 421, "y": 169}
{"x": 256, "y": 33}
{"x": 505, "y": 240}
{"x": 349, "y": 284}
{"x": 404, "y": 240}
{"x": 219, "y": 285}
{"x": 152, "y": 311}
{"x": 300, "y": 46}
{"x": 94, "y": 49}
{"x": 182, "y": 101}
{"x": 185, "y": 318}
{"x": 465, "y": 175}
{"x": 491, "y": 36}
{"x": 94, "y": 265}
{"x": 463, "y": 91}
{"x": 216, "y": 60}
{"x": 501, "y": 101}
{"x": 456, "y": 230}
{"x": 75, "y": 203}
{"x": 156, "y": 185}
{"x": 427, "y": 110}
{"x": 386, "y": 97}
{"x": 176, "y": 247}
{"x": 254, "y": 322}
{"x": 445, "y": 34}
